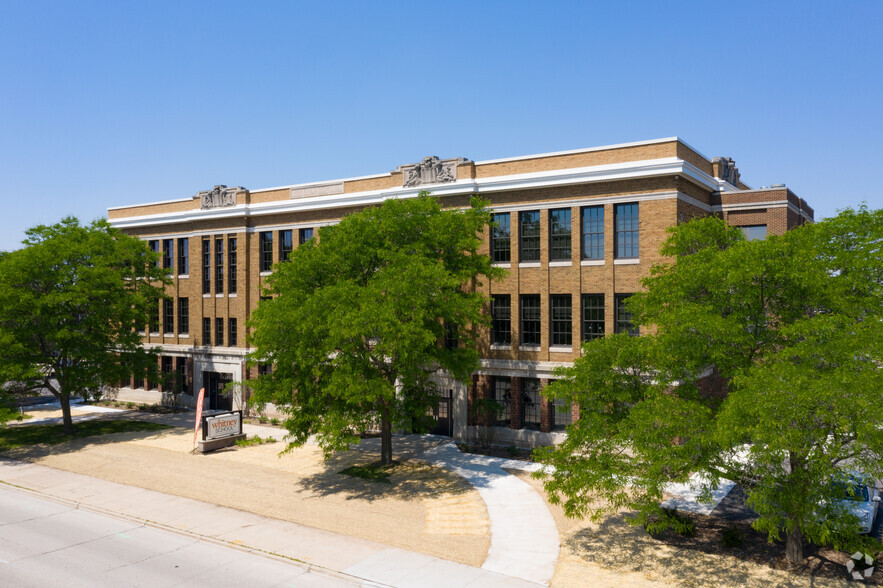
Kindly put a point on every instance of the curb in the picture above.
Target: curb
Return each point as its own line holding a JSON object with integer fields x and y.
{"x": 311, "y": 568}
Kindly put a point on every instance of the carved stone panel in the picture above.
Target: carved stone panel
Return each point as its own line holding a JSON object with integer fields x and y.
{"x": 218, "y": 197}
{"x": 431, "y": 170}
{"x": 327, "y": 189}
{"x": 727, "y": 170}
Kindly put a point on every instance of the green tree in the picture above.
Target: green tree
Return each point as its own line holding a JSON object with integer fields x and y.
{"x": 355, "y": 323}
{"x": 70, "y": 302}
{"x": 791, "y": 329}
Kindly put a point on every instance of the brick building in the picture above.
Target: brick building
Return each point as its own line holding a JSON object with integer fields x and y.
{"x": 577, "y": 231}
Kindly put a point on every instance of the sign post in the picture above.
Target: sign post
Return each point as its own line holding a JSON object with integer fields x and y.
{"x": 198, "y": 414}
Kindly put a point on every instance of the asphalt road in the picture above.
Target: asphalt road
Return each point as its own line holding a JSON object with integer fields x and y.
{"x": 43, "y": 543}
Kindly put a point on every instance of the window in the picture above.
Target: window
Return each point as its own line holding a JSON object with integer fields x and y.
{"x": 285, "y": 245}
{"x": 530, "y": 319}
{"x": 530, "y": 235}
{"x": 184, "y": 256}
{"x": 266, "y": 242}
{"x": 502, "y": 394}
{"x": 593, "y": 316}
{"x": 562, "y": 414}
{"x": 502, "y": 238}
{"x": 154, "y": 317}
{"x": 530, "y": 403}
{"x": 561, "y": 319}
{"x": 265, "y": 369}
{"x": 219, "y": 332}
{"x": 168, "y": 316}
{"x": 231, "y": 265}
{"x": 206, "y": 331}
{"x": 593, "y": 232}
{"x": 304, "y": 236}
{"x": 166, "y": 363}
{"x": 154, "y": 246}
{"x": 623, "y": 316}
{"x": 501, "y": 311}
{"x": 452, "y": 340}
{"x": 219, "y": 265}
{"x": 183, "y": 315}
{"x": 206, "y": 266}
{"x": 559, "y": 231}
{"x": 625, "y": 218}
{"x": 181, "y": 368}
{"x": 168, "y": 253}
{"x": 754, "y": 232}
{"x": 231, "y": 332}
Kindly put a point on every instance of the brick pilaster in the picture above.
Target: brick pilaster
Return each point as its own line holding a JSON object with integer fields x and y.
{"x": 516, "y": 406}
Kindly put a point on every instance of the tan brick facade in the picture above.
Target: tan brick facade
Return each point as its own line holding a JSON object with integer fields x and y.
{"x": 668, "y": 181}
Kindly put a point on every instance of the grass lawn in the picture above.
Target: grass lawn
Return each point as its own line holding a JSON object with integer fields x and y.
{"x": 14, "y": 437}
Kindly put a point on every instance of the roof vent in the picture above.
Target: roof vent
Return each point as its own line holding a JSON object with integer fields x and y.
{"x": 777, "y": 186}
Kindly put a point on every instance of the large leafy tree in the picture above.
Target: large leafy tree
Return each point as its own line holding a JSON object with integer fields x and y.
{"x": 761, "y": 365}
{"x": 355, "y": 324}
{"x": 71, "y": 303}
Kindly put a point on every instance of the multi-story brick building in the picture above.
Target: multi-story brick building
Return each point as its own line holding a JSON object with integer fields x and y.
{"x": 577, "y": 231}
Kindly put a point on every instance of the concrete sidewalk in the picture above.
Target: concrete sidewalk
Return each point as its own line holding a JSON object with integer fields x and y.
{"x": 372, "y": 563}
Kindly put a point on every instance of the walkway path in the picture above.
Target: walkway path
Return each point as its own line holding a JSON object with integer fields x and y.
{"x": 373, "y": 563}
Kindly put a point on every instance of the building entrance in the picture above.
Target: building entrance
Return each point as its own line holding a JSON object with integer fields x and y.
{"x": 214, "y": 383}
{"x": 444, "y": 414}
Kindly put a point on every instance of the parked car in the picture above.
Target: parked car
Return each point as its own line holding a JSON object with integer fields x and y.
{"x": 858, "y": 498}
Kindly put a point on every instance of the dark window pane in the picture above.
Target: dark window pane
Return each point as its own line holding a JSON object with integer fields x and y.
{"x": 530, "y": 403}
{"x": 529, "y": 235}
{"x": 623, "y": 316}
{"x": 232, "y": 333}
{"x": 219, "y": 265}
{"x": 563, "y": 416}
{"x": 754, "y": 232}
{"x": 593, "y": 232}
{"x": 560, "y": 230}
{"x": 305, "y": 235}
{"x": 502, "y": 395}
{"x": 502, "y": 238}
{"x": 530, "y": 319}
{"x": 168, "y": 253}
{"x": 561, "y": 319}
{"x": 168, "y": 316}
{"x": 184, "y": 256}
{"x": 285, "y": 245}
{"x": 501, "y": 312}
{"x": 626, "y": 236}
{"x": 183, "y": 315}
{"x": 266, "y": 244}
{"x": 593, "y": 316}
{"x": 206, "y": 266}
{"x": 219, "y": 332}
{"x": 206, "y": 331}
{"x": 231, "y": 265}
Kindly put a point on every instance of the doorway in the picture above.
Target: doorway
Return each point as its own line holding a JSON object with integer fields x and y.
{"x": 214, "y": 386}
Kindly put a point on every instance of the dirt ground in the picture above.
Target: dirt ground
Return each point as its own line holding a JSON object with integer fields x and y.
{"x": 424, "y": 508}
{"x": 637, "y": 559}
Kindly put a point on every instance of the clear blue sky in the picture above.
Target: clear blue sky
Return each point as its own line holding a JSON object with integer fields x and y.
{"x": 112, "y": 103}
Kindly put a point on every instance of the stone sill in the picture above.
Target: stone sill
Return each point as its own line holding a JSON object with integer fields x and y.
{"x": 592, "y": 262}
{"x": 634, "y": 261}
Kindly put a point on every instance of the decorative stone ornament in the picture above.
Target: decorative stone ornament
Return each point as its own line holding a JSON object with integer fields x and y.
{"x": 727, "y": 170}
{"x": 218, "y": 197}
{"x": 431, "y": 170}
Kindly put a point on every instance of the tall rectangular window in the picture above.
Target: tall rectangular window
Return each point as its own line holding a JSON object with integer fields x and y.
{"x": 561, "y": 319}
{"x": 501, "y": 241}
{"x": 206, "y": 266}
{"x": 183, "y": 316}
{"x": 154, "y": 246}
{"x": 529, "y": 222}
{"x": 219, "y": 265}
{"x": 452, "y": 340}
{"x": 593, "y": 232}
{"x": 168, "y": 316}
{"x": 563, "y": 414}
{"x": 285, "y": 245}
{"x": 266, "y": 244}
{"x": 530, "y": 319}
{"x": 154, "y": 317}
{"x": 231, "y": 265}
{"x": 625, "y": 218}
{"x": 501, "y": 313}
{"x": 304, "y": 236}
{"x": 206, "y": 331}
{"x": 232, "y": 333}
{"x": 593, "y": 316}
{"x": 559, "y": 231}
{"x": 623, "y": 316}
{"x": 184, "y": 256}
{"x": 530, "y": 403}
{"x": 503, "y": 396}
{"x": 168, "y": 253}
{"x": 219, "y": 332}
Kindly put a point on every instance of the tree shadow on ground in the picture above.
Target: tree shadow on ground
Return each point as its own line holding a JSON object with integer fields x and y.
{"x": 409, "y": 479}
{"x": 702, "y": 559}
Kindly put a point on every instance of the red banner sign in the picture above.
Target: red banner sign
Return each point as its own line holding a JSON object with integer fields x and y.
{"x": 198, "y": 412}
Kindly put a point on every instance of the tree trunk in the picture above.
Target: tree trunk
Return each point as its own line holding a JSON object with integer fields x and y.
{"x": 794, "y": 544}
{"x": 385, "y": 438}
{"x": 65, "y": 401}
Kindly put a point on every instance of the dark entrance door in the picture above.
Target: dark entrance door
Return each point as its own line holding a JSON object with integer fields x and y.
{"x": 214, "y": 385}
{"x": 443, "y": 413}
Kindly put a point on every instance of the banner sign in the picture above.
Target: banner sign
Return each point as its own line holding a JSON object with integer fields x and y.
{"x": 223, "y": 425}
{"x": 198, "y": 412}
